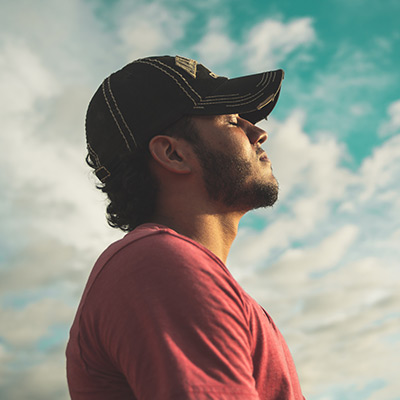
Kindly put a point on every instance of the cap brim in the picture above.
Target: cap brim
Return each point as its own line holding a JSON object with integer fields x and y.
{"x": 252, "y": 96}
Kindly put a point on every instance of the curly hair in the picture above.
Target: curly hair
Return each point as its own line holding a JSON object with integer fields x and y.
{"x": 132, "y": 192}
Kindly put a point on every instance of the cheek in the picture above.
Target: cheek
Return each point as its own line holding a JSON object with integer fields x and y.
{"x": 241, "y": 146}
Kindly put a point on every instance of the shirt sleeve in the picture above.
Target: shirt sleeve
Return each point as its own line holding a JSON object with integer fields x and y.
{"x": 171, "y": 318}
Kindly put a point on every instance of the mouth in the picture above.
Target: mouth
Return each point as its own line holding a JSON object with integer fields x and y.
{"x": 263, "y": 156}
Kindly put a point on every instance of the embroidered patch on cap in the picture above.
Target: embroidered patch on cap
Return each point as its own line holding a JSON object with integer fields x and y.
{"x": 189, "y": 65}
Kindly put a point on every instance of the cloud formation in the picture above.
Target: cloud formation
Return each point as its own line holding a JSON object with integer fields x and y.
{"x": 149, "y": 28}
{"x": 271, "y": 41}
{"x": 393, "y": 125}
{"x": 215, "y": 47}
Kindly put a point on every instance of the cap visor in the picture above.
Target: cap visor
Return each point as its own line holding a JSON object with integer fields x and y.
{"x": 252, "y": 96}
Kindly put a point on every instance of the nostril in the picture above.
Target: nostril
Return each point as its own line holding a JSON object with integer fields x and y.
{"x": 260, "y": 136}
{"x": 263, "y": 137}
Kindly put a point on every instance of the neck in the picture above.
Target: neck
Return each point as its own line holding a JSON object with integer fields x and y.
{"x": 214, "y": 231}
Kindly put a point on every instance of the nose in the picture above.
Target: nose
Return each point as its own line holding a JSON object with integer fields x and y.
{"x": 255, "y": 134}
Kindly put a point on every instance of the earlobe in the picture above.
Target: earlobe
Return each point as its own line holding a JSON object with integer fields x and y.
{"x": 168, "y": 153}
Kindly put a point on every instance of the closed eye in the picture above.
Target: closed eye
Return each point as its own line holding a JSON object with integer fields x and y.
{"x": 234, "y": 122}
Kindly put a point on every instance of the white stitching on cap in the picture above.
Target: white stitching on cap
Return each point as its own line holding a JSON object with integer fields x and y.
{"x": 167, "y": 73}
{"x": 224, "y": 99}
{"x": 264, "y": 76}
{"x": 176, "y": 72}
{"x": 109, "y": 107}
{"x": 231, "y": 105}
{"x": 247, "y": 102}
{"x": 239, "y": 99}
{"x": 182, "y": 77}
{"x": 221, "y": 95}
{"x": 119, "y": 112}
{"x": 253, "y": 97}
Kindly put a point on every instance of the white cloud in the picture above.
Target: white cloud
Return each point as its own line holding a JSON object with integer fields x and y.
{"x": 271, "y": 41}
{"x": 65, "y": 35}
{"x": 393, "y": 125}
{"x": 380, "y": 174}
{"x": 24, "y": 327}
{"x": 24, "y": 77}
{"x": 43, "y": 377}
{"x": 215, "y": 47}
{"x": 147, "y": 29}
{"x": 326, "y": 255}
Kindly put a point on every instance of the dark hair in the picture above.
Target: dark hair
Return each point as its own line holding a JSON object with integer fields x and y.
{"x": 132, "y": 191}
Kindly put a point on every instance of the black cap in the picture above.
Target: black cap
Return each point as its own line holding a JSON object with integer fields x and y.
{"x": 146, "y": 96}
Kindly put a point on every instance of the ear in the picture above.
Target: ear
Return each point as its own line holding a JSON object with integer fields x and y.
{"x": 170, "y": 153}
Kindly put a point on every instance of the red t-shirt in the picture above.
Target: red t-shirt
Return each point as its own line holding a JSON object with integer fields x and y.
{"x": 162, "y": 318}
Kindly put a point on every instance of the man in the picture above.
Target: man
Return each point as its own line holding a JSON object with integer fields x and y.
{"x": 161, "y": 317}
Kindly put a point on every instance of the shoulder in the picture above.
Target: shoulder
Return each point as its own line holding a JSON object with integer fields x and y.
{"x": 160, "y": 265}
{"x": 153, "y": 253}
{"x": 153, "y": 245}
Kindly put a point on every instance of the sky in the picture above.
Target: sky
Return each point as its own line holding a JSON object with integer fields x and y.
{"x": 324, "y": 261}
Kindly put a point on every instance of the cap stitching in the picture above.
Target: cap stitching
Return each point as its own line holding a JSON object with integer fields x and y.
{"x": 92, "y": 152}
{"x": 104, "y": 177}
{"x": 109, "y": 107}
{"x": 97, "y": 162}
{"x": 221, "y": 98}
{"x": 268, "y": 78}
{"x": 182, "y": 77}
{"x": 231, "y": 105}
{"x": 263, "y": 78}
{"x": 167, "y": 66}
{"x": 120, "y": 113}
{"x": 221, "y": 101}
{"x": 221, "y": 95}
{"x": 252, "y": 98}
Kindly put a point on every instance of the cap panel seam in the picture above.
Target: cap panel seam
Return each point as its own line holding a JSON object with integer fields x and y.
{"x": 171, "y": 76}
{"x": 112, "y": 113}
{"x": 120, "y": 113}
{"x": 181, "y": 76}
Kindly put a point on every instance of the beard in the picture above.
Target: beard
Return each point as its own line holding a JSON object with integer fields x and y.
{"x": 226, "y": 178}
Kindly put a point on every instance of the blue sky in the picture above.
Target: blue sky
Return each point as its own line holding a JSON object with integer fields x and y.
{"x": 324, "y": 261}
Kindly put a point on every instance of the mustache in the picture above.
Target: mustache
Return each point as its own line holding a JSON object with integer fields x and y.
{"x": 260, "y": 151}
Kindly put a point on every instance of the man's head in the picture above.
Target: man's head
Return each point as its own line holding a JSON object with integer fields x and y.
{"x": 154, "y": 96}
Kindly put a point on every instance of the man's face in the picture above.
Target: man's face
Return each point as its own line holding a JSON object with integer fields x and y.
{"x": 237, "y": 173}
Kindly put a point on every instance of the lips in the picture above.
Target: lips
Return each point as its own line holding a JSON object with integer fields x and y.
{"x": 263, "y": 156}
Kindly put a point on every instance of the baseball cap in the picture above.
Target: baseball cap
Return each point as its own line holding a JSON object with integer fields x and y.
{"x": 148, "y": 95}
